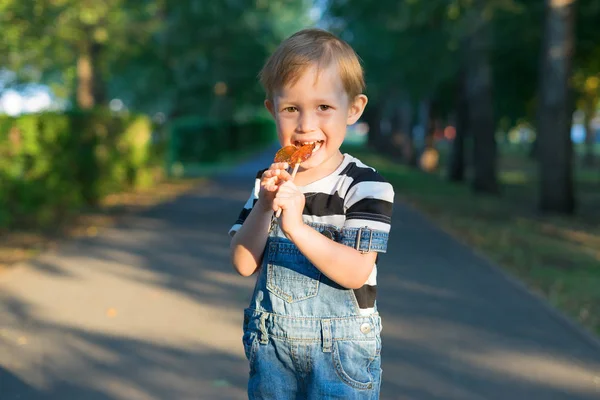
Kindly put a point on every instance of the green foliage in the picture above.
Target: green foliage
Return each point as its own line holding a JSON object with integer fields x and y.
{"x": 201, "y": 44}
{"x": 417, "y": 47}
{"x": 199, "y": 140}
{"x": 155, "y": 55}
{"x": 409, "y": 46}
{"x": 43, "y": 41}
{"x": 53, "y": 164}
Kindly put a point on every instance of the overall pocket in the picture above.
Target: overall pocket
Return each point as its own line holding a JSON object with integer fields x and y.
{"x": 358, "y": 363}
{"x": 293, "y": 281}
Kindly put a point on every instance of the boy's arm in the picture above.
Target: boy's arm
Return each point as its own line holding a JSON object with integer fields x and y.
{"x": 344, "y": 265}
{"x": 368, "y": 205}
{"x": 248, "y": 244}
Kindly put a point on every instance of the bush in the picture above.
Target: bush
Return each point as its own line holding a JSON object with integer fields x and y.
{"x": 199, "y": 140}
{"x": 53, "y": 164}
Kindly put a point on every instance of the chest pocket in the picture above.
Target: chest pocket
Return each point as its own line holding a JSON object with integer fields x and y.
{"x": 290, "y": 276}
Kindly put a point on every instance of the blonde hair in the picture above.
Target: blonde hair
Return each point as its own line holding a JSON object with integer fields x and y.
{"x": 310, "y": 47}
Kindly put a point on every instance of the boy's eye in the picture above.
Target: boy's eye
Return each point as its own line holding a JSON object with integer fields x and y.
{"x": 324, "y": 107}
{"x": 290, "y": 109}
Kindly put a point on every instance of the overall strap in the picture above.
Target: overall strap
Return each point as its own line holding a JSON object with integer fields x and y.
{"x": 365, "y": 239}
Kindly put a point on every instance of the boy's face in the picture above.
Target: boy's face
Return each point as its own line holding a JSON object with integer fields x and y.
{"x": 316, "y": 109}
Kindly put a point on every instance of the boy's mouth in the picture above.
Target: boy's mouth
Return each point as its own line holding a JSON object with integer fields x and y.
{"x": 317, "y": 144}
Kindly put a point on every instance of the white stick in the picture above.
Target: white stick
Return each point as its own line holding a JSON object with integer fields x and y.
{"x": 296, "y": 166}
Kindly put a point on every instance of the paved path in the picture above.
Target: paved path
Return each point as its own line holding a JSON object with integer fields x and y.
{"x": 151, "y": 309}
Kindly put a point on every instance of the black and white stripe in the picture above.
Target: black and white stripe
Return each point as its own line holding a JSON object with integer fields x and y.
{"x": 353, "y": 196}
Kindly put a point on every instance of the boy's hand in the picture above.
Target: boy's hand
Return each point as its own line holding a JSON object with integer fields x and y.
{"x": 270, "y": 182}
{"x": 291, "y": 201}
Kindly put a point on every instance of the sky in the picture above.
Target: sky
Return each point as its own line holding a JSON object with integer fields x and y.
{"x": 14, "y": 103}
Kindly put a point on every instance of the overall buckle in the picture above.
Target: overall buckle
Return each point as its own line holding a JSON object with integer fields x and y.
{"x": 359, "y": 238}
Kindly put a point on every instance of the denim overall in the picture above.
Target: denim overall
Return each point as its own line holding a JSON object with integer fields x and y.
{"x": 303, "y": 334}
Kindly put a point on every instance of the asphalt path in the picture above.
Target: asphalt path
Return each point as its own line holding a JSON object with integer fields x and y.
{"x": 152, "y": 309}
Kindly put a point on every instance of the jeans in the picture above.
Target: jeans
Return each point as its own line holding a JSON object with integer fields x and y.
{"x": 293, "y": 358}
{"x": 304, "y": 336}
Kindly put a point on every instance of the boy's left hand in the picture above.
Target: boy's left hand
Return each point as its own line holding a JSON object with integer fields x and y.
{"x": 291, "y": 201}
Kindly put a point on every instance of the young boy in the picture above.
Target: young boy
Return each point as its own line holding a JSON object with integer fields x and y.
{"x": 312, "y": 330}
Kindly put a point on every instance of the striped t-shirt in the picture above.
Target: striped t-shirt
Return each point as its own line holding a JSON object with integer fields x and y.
{"x": 352, "y": 196}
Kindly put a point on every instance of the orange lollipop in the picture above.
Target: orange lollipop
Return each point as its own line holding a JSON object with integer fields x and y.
{"x": 285, "y": 154}
{"x": 303, "y": 153}
{"x": 294, "y": 156}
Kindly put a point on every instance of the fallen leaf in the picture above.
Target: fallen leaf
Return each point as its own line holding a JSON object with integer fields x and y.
{"x": 111, "y": 313}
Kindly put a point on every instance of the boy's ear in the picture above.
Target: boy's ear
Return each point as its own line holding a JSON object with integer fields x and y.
{"x": 356, "y": 108}
{"x": 270, "y": 106}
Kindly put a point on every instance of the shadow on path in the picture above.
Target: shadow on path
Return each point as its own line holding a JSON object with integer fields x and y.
{"x": 151, "y": 309}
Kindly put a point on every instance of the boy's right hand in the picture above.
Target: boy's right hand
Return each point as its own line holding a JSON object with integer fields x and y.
{"x": 272, "y": 178}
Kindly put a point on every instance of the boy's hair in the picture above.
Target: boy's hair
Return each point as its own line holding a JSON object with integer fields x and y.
{"x": 312, "y": 47}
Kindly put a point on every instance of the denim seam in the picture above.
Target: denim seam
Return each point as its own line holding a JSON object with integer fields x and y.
{"x": 354, "y": 301}
{"x": 353, "y": 318}
{"x": 318, "y": 340}
{"x": 295, "y": 359}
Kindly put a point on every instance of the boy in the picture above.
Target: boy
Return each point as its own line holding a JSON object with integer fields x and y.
{"x": 312, "y": 330}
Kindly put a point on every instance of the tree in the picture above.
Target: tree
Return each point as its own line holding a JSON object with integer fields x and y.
{"x": 456, "y": 168}
{"x": 555, "y": 109}
{"x": 480, "y": 110}
{"x": 206, "y": 58}
{"x": 184, "y": 57}
{"x": 71, "y": 44}
{"x": 408, "y": 54}
{"x": 586, "y": 65}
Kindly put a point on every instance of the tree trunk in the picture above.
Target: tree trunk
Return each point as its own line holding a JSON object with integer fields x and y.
{"x": 400, "y": 141}
{"x": 99, "y": 88}
{"x": 406, "y": 111}
{"x": 397, "y": 137}
{"x": 372, "y": 116}
{"x": 456, "y": 172}
{"x": 85, "y": 81}
{"x": 480, "y": 107}
{"x": 91, "y": 89}
{"x": 423, "y": 124}
{"x": 533, "y": 149}
{"x": 554, "y": 113}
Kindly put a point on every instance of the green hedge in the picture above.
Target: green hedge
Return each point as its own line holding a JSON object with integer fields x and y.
{"x": 53, "y": 164}
{"x": 197, "y": 140}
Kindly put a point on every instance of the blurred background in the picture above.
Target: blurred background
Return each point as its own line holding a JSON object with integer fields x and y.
{"x": 484, "y": 115}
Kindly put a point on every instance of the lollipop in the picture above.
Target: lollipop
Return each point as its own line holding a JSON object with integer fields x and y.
{"x": 294, "y": 156}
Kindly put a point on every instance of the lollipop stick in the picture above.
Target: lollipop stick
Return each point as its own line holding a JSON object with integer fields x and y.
{"x": 296, "y": 166}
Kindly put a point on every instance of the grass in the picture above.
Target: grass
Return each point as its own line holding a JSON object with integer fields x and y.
{"x": 556, "y": 256}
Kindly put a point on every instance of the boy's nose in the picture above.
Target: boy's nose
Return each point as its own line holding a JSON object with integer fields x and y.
{"x": 307, "y": 123}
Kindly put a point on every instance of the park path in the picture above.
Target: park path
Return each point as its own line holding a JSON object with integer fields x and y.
{"x": 151, "y": 309}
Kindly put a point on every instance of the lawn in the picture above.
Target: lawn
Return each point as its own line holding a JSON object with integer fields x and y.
{"x": 556, "y": 256}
